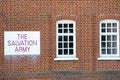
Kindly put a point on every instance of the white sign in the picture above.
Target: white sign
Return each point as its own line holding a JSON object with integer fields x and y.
{"x": 22, "y": 42}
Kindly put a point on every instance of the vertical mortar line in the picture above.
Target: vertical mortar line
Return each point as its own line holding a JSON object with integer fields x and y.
{"x": 6, "y": 58}
{"x": 83, "y": 37}
{"x": 92, "y": 22}
{"x": 47, "y": 39}
{"x": 1, "y": 39}
{"x": 49, "y": 32}
{"x": 83, "y": 44}
{"x": 92, "y": 25}
{"x": 39, "y": 20}
{"x": 49, "y": 46}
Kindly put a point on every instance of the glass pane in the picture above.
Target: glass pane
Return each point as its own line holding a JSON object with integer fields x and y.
{"x": 114, "y": 38}
{"x": 114, "y": 24}
{"x": 70, "y": 51}
{"x": 114, "y": 51}
{"x": 103, "y": 30}
{"x": 115, "y": 30}
{"x": 59, "y": 38}
{"x": 103, "y": 44}
{"x": 60, "y": 52}
{"x": 109, "y": 38}
{"x": 65, "y": 38}
{"x": 114, "y": 44}
{"x": 70, "y": 25}
{"x": 65, "y": 52}
{"x": 103, "y": 38}
{"x": 108, "y": 44}
{"x": 70, "y": 38}
{"x": 103, "y": 24}
{"x": 70, "y": 30}
{"x": 108, "y": 51}
{"x": 65, "y": 25}
{"x": 65, "y": 45}
{"x": 71, "y": 45}
{"x": 109, "y": 30}
{"x": 103, "y": 51}
{"x": 108, "y": 24}
{"x": 59, "y": 25}
{"x": 59, "y": 45}
{"x": 65, "y": 30}
{"x": 59, "y": 30}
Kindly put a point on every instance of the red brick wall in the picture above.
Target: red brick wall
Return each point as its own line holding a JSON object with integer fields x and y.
{"x": 41, "y": 15}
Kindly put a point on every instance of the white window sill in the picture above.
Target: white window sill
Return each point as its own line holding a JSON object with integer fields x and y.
{"x": 109, "y": 58}
{"x": 66, "y": 59}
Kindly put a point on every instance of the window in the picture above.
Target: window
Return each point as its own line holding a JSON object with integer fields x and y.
{"x": 109, "y": 38}
{"x": 65, "y": 40}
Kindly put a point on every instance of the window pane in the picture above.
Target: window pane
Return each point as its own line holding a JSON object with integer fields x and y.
{"x": 70, "y": 51}
{"x": 59, "y": 45}
{"x": 70, "y": 25}
{"x": 59, "y": 25}
{"x": 103, "y": 51}
{"x": 114, "y": 38}
{"x": 108, "y": 24}
{"x": 71, "y": 45}
{"x": 65, "y": 51}
{"x": 103, "y": 30}
{"x": 70, "y": 30}
{"x": 108, "y": 51}
{"x": 109, "y": 30}
{"x": 103, "y": 25}
{"x": 65, "y": 45}
{"x": 65, "y": 25}
{"x": 103, "y": 44}
{"x": 70, "y": 38}
{"x": 114, "y": 51}
{"x": 65, "y": 38}
{"x": 114, "y": 25}
{"x": 59, "y": 38}
{"x": 115, "y": 30}
{"x": 114, "y": 44}
{"x": 109, "y": 38}
{"x": 59, "y": 30}
{"x": 60, "y": 52}
{"x": 103, "y": 38}
{"x": 65, "y": 30}
{"x": 108, "y": 44}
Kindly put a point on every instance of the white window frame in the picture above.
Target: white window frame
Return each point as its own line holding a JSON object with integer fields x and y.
{"x": 66, "y": 57}
{"x": 108, "y": 56}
